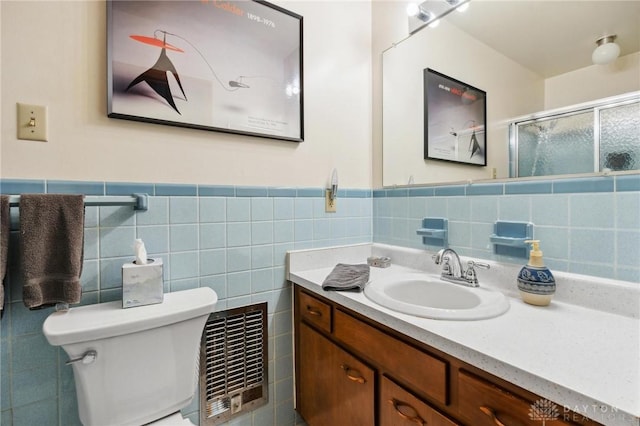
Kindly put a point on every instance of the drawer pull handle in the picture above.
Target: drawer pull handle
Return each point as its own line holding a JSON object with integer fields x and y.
{"x": 357, "y": 377}
{"x": 399, "y": 406}
{"x": 491, "y": 413}
{"x": 313, "y": 312}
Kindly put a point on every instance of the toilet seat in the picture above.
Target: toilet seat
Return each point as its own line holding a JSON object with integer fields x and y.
{"x": 174, "y": 419}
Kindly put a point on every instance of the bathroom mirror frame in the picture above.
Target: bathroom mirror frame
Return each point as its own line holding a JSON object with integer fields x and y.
{"x": 452, "y": 173}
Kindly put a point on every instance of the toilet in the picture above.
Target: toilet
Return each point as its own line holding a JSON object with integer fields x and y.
{"x": 138, "y": 365}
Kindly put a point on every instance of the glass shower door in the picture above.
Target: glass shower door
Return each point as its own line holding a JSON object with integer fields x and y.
{"x": 556, "y": 146}
{"x": 620, "y": 137}
{"x": 586, "y": 139}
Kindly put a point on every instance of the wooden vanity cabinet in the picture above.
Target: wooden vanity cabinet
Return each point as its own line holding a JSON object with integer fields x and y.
{"x": 334, "y": 388}
{"x": 353, "y": 371}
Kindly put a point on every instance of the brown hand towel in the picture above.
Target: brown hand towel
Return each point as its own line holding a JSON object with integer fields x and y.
{"x": 51, "y": 248}
{"x": 5, "y": 219}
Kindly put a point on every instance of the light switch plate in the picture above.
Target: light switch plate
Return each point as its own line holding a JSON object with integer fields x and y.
{"x": 32, "y": 122}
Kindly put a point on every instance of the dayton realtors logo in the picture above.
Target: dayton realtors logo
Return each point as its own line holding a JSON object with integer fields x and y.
{"x": 544, "y": 410}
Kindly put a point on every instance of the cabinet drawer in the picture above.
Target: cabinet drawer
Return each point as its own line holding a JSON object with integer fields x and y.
{"x": 405, "y": 363}
{"x": 485, "y": 404}
{"x": 400, "y": 408}
{"x": 314, "y": 311}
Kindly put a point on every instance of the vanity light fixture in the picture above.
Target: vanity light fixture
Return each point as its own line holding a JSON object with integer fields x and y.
{"x": 418, "y": 12}
{"x": 607, "y": 50}
{"x": 429, "y": 12}
{"x": 419, "y": 16}
{"x": 459, "y": 5}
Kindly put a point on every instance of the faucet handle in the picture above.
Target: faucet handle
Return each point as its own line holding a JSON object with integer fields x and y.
{"x": 437, "y": 258}
{"x": 472, "y": 263}
{"x": 446, "y": 267}
{"x": 470, "y": 273}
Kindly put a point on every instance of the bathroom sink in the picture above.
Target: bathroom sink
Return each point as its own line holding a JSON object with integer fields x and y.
{"x": 426, "y": 295}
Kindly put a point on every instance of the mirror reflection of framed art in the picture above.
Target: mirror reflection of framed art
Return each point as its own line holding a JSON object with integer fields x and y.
{"x": 455, "y": 118}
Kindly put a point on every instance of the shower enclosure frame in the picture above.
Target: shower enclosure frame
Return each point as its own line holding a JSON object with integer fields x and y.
{"x": 596, "y": 107}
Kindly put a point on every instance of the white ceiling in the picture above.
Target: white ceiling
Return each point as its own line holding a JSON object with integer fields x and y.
{"x": 551, "y": 37}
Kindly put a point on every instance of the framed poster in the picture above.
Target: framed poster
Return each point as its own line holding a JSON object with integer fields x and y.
{"x": 230, "y": 66}
{"x": 455, "y": 120}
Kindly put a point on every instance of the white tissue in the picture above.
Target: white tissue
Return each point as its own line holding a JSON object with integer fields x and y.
{"x": 140, "y": 252}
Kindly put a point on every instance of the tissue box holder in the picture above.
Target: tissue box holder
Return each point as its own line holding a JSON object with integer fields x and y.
{"x": 142, "y": 284}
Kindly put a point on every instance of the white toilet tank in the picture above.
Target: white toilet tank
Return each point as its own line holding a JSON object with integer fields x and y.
{"x": 146, "y": 365}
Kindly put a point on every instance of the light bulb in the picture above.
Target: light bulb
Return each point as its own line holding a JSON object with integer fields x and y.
{"x": 412, "y": 9}
{"x": 333, "y": 192}
{"x": 291, "y": 90}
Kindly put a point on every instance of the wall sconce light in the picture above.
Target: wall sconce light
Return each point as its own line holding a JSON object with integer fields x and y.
{"x": 607, "y": 51}
{"x": 334, "y": 184}
{"x": 331, "y": 193}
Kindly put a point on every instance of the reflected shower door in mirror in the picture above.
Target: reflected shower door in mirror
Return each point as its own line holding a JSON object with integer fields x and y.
{"x": 605, "y": 137}
{"x": 523, "y": 56}
{"x": 620, "y": 137}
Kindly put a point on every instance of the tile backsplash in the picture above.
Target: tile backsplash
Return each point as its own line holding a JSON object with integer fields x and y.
{"x": 587, "y": 226}
{"x": 234, "y": 239}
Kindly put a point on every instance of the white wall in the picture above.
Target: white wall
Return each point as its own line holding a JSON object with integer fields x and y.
{"x": 54, "y": 54}
{"x": 594, "y": 82}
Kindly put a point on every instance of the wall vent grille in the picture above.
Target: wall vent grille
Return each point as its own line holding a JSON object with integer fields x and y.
{"x": 233, "y": 363}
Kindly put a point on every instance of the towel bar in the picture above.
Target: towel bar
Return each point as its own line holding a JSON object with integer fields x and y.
{"x": 138, "y": 201}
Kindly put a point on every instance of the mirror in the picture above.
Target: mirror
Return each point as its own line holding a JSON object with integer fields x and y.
{"x": 528, "y": 56}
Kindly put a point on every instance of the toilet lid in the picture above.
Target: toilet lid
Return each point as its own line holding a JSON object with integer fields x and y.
{"x": 174, "y": 419}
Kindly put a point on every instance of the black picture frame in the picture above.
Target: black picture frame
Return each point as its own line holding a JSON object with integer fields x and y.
{"x": 455, "y": 116}
{"x": 228, "y": 66}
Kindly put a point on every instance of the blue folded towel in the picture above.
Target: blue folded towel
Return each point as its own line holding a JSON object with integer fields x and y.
{"x": 347, "y": 277}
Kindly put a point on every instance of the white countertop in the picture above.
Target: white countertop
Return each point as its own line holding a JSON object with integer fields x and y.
{"x": 581, "y": 358}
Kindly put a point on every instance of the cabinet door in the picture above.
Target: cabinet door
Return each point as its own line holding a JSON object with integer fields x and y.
{"x": 418, "y": 369}
{"x": 334, "y": 387}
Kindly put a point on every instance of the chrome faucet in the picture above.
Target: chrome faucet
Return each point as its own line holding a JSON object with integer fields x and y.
{"x": 452, "y": 270}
